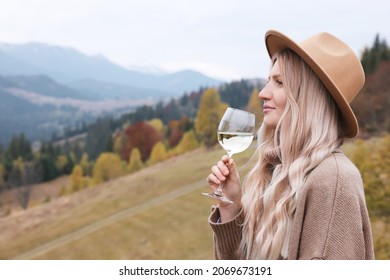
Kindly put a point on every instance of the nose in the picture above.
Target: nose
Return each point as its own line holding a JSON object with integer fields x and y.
{"x": 264, "y": 94}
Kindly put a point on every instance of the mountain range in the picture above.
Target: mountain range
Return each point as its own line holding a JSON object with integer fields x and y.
{"x": 45, "y": 88}
{"x": 69, "y": 66}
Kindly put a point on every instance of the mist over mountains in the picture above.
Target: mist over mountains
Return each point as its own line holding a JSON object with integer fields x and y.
{"x": 67, "y": 65}
{"x": 45, "y": 88}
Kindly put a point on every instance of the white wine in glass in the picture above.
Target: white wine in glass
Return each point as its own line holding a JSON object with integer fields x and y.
{"x": 235, "y": 142}
{"x": 235, "y": 134}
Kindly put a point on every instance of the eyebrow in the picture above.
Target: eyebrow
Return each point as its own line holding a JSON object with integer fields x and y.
{"x": 278, "y": 76}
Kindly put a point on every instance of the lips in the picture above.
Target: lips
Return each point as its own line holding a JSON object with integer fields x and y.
{"x": 267, "y": 108}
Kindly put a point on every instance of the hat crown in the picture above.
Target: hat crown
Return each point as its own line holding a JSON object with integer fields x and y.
{"x": 335, "y": 64}
{"x": 338, "y": 61}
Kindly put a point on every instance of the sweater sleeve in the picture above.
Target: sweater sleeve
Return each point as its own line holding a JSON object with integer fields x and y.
{"x": 227, "y": 236}
{"x": 332, "y": 215}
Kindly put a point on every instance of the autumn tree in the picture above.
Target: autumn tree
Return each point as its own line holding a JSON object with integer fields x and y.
{"x": 187, "y": 143}
{"x": 135, "y": 162}
{"x": 254, "y": 106}
{"x": 76, "y": 178}
{"x": 117, "y": 143}
{"x": 61, "y": 162}
{"x": 158, "y": 154}
{"x": 372, "y": 103}
{"x": 175, "y": 133}
{"x": 158, "y": 125}
{"x": 142, "y": 136}
{"x": 210, "y": 112}
{"x": 107, "y": 166}
{"x": 372, "y": 158}
{"x": 86, "y": 166}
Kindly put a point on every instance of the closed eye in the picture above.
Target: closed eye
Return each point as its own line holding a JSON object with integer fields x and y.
{"x": 279, "y": 83}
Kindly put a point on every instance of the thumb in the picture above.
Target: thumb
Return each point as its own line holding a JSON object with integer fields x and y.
{"x": 231, "y": 164}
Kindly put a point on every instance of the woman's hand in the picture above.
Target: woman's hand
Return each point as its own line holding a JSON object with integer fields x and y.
{"x": 225, "y": 173}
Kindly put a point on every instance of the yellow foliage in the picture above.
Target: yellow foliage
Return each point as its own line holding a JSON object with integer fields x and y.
{"x": 61, "y": 161}
{"x": 372, "y": 158}
{"x": 135, "y": 162}
{"x": 76, "y": 178}
{"x": 210, "y": 112}
{"x": 85, "y": 164}
{"x": 117, "y": 146}
{"x": 187, "y": 143}
{"x": 107, "y": 167}
{"x": 158, "y": 125}
{"x": 158, "y": 153}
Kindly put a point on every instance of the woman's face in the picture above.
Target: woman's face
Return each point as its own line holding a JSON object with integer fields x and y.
{"x": 274, "y": 97}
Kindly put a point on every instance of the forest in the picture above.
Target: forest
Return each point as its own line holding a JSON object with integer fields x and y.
{"x": 113, "y": 147}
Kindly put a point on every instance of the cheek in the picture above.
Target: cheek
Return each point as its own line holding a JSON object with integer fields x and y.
{"x": 281, "y": 100}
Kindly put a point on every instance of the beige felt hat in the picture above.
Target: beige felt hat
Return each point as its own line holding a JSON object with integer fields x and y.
{"x": 335, "y": 64}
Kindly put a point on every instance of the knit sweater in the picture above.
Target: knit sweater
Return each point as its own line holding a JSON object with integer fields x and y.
{"x": 330, "y": 222}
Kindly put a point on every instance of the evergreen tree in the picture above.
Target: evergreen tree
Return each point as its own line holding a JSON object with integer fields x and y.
{"x": 2, "y": 176}
{"x": 99, "y": 138}
{"x": 236, "y": 93}
{"x": 373, "y": 56}
{"x": 48, "y": 156}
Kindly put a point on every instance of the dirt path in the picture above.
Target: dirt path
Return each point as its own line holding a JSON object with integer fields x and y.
{"x": 125, "y": 214}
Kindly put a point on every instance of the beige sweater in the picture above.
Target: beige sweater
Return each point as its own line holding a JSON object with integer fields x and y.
{"x": 331, "y": 219}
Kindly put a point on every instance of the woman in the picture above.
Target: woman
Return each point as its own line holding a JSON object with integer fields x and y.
{"x": 303, "y": 199}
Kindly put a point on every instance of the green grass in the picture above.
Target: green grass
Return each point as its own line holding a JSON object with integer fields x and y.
{"x": 176, "y": 229}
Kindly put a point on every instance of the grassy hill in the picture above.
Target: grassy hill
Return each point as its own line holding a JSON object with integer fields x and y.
{"x": 157, "y": 213}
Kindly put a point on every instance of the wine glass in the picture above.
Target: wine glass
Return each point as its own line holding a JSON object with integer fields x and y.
{"x": 235, "y": 134}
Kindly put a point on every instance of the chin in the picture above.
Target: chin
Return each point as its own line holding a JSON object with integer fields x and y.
{"x": 269, "y": 123}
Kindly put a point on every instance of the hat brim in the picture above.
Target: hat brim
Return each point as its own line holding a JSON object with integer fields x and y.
{"x": 276, "y": 41}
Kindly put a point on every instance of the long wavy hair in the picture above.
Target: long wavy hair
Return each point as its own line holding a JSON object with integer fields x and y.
{"x": 308, "y": 131}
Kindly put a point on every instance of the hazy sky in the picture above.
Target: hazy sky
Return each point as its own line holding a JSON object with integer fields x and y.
{"x": 221, "y": 38}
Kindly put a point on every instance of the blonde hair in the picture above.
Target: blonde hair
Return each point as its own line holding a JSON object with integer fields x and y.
{"x": 308, "y": 131}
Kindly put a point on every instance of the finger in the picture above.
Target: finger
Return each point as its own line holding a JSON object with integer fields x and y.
{"x": 217, "y": 173}
{"x": 213, "y": 180}
{"x": 231, "y": 165}
{"x": 225, "y": 159}
{"x": 223, "y": 168}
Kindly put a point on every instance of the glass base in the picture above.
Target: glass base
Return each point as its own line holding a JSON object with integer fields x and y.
{"x": 220, "y": 197}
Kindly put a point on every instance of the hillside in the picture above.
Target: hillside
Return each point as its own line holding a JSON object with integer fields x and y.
{"x": 157, "y": 213}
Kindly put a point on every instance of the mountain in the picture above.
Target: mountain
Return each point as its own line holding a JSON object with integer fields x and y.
{"x": 39, "y": 106}
{"x": 105, "y": 90}
{"x": 67, "y": 65}
{"x": 45, "y": 88}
